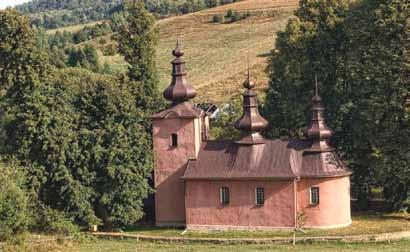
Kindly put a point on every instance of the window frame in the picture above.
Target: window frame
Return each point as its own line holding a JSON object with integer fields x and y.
{"x": 311, "y": 191}
{"x": 174, "y": 140}
{"x": 224, "y": 197}
{"x": 262, "y": 190}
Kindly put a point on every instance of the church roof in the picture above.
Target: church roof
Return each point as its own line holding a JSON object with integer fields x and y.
{"x": 276, "y": 159}
{"x": 180, "y": 110}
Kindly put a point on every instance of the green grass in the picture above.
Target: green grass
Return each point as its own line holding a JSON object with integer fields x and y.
{"x": 125, "y": 246}
{"x": 362, "y": 223}
{"x": 73, "y": 28}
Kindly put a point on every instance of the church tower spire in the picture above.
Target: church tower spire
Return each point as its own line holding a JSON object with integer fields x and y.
{"x": 251, "y": 122}
{"x": 179, "y": 90}
{"x": 318, "y": 131}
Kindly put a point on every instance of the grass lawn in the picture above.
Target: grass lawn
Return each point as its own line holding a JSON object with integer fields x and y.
{"x": 367, "y": 223}
{"x": 129, "y": 245}
{"x": 362, "y": 223}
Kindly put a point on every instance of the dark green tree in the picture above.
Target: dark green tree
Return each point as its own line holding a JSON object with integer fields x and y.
{"x": 79, "y": 136}
{"x": 357, "y": 51}
{"x": 137, "y": 40}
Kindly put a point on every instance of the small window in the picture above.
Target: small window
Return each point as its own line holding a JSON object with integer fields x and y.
{"x": 224, "y": 195}
{"x": 260, "y": 196}
{"x": 174, "y": 140}
{"x": 314, "y": 195}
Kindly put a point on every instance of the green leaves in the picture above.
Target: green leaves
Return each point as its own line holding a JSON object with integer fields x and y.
{"x": 358, "y": 52}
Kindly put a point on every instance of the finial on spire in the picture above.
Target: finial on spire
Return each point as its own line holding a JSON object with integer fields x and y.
{"x": 178, "y": 52}
{"x": 248, "y": 84}
{"x": 318, "y": 131}
{"x": 316, "y": 97}
{"x": 251, "y": 122}
{"x": 179, "y": 90}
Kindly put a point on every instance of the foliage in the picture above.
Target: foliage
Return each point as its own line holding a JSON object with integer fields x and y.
{"x": 54, "y": 222}
{"x": 79, "y": 136}
{"x": 16, "y": 33}
{"x": 217, "y": 19}
{"x": 14, "y": 213}
{"x": 85, "y": 57}
{"x": 136, "y": 42}
{"x": 223, "y": 124}
{"x": 357, "y": 50}
{"x": 52, "y": 14}
{"x": 89, "y": 157}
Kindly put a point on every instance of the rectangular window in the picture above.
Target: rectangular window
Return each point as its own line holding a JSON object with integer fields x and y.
{"x": 224, "y": 195}
{"x": 174, "y": 140}
{"x": 314, "y": 195}
{"x": 260, "y": 196}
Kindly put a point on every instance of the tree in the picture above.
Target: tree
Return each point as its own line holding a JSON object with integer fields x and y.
{"x": 14, "y": 213}
{"x": 79, "y": 136}
{"x": 137, "y": 42}
{"x": 358, "y": 53}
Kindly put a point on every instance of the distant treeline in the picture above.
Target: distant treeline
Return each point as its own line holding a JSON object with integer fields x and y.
{"x": 52, "y": 14}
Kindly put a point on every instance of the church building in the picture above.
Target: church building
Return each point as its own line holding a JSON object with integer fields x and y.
{"x": 250, "y": 183}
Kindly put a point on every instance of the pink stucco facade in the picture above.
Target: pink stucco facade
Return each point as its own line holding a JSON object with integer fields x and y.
{"x": 334, "y": 207}
{"x": 170, "y": 164}
{"x": 205, "y": 211}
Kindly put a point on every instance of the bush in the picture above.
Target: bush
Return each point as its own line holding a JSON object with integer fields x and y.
{"x": 235, "y": 17}
{"x": 229, "y": 13}
{"x": 56, "y": 222}
{"x": 102, "y": 41}
{"x": 14, "y": 215}
{"x": 217, "y": 19}
{"x": 110, "y": 50}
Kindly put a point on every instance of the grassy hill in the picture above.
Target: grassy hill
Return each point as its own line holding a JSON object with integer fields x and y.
{"x": 216, "y": 53}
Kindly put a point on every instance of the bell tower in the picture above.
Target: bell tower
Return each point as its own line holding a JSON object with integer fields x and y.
{"x": 177, "y": 135}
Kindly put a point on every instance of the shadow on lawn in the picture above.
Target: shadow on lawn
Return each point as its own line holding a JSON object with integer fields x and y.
{"x": 370, "y": 215}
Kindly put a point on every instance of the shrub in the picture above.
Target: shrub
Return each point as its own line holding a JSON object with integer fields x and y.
{"x": 102, "y": 41}
{"x": 229, "y": 13}
{"x": 56, "y": 222}
{"x": 235, "y": 17}
{"x": 110, "y": 50}
{"x": 14, "y": 215}
{"x": 216, "y": 19}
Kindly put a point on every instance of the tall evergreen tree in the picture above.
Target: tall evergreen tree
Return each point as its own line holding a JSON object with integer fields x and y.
{"x": 137, "y": 40}
{"x": 358, "y": 52}
{"x": 79, "y": 136}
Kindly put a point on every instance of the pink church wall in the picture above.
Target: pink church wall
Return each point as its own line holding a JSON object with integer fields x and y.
{"x": 203, "y": 207}
{"x": 333, "y": 209}
{"x": 170, "y": 165}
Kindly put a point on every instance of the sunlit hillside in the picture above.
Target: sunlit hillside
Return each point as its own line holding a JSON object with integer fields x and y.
{"x": 217, "y": 53}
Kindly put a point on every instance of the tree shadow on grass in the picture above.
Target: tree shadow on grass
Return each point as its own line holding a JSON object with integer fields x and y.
{"x": 370, "y": 215}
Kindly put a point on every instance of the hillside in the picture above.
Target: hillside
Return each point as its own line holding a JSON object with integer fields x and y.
{"x": 216, "y": 53}
{"x": 52, "y": 14}
{"x": 57, "y": 13}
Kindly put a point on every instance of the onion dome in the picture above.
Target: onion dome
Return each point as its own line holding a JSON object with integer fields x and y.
{"x": 179, "y": 90}
{"x": 251, "y": 123}
{"x": 318, "y": 131}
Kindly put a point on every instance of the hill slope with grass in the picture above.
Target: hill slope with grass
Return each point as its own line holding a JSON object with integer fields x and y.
{"x": 217, "y": 53}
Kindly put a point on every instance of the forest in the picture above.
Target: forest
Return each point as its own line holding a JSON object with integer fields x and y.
{"x": 51, "y": 14}
{"x": 76, "y": 136}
